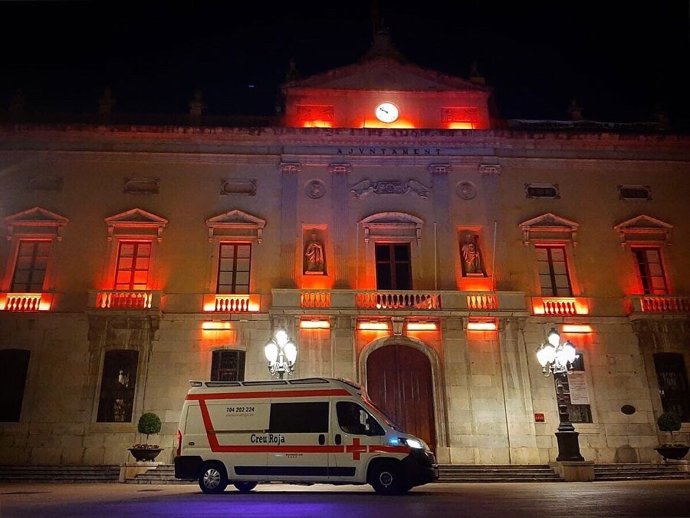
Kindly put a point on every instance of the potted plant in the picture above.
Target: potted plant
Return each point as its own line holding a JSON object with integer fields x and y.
{"x": 149, "y": 423}
{"x": 671, "y": 422}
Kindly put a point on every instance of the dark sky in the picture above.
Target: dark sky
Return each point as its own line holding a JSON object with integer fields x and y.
{"x": 618, "y": 59}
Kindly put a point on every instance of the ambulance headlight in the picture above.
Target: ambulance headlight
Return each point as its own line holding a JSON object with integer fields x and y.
{"x": 414, "y": 443}
{"x": 402, "y": 441}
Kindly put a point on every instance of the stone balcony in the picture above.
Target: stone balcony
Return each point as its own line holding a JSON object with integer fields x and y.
{"x": 25, "y": 302}
{"x": 398, "y": 302}
{"x": 231, "y": 303}
{"x": 125, "y": 300}
{"x": 651, "y": 305}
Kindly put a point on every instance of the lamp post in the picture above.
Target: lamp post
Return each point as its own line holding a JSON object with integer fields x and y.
{"x": 556, "y": 357}
{"x": 281, "y": 354}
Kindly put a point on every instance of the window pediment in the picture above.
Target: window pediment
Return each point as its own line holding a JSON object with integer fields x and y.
{"x": 391, "y": 225}
{"x": 549, "y": 228}
{"x": 136, "y": 222}
{"x": 35, "y": 222}
{"x": 236, "y": 224}
{"x": 644, "y": 229}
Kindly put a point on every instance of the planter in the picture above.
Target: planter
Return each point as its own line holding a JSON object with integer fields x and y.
{"x": 145, "y": 454}
{"x": 672, "y": 452}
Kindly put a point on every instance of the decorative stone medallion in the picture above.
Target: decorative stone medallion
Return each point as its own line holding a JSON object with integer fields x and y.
{"x": 466, "y": 190}
{"x": 315, "y": 189}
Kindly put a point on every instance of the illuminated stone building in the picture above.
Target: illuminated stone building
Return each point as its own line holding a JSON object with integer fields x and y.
{"x": 137, "y": 257}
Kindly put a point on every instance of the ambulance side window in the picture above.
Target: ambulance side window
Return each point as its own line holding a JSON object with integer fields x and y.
{"x": 299, "y": 418}
{"x": 353, "y": 419}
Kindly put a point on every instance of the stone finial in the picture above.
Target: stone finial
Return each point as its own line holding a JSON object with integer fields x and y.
{"x": 575, "y": 110}
{"x": 105, "y": 104}
{"x": 17, "y": 105}
{"x": 475, "y": 76}
{"x": 196, "y": 107}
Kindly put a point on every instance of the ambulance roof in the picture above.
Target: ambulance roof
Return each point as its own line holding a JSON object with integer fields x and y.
{"x": 198, "y": 387}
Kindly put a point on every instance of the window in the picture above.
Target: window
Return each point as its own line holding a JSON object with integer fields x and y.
{"x": 14, "y": 364}
{"x": 227, "y": 365}
{"x": 634, "y": 192}
{"x": 651, "y": 271}
{"x": 30, "y": 267}
{"x": 133, "y": 263}
{"x": 234, "y": 266}
{"x": 579, "y": 410}
{"x": 118, "y": 381}
{"x": 673, "y": 384}
{"x": 533, "y": 190}
{"x": 553, "y": 271}
{"x": 353, "y": 419}
{"x": 299, "y": 418}
{"x": 393, "y": 266}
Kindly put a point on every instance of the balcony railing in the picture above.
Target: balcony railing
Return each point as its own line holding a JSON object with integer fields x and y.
{"x": 398, "y": 300}
{"x": 124, "y": 300}
{"x": 485, "y": 303}
{"x": 660, "y": 304}
{"x": 231, "y": 303}
{"x": 559, "y": 306}
{"x": 25, "y": 302}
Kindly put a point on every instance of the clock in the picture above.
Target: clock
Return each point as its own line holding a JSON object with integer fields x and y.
{"x": 387, "y": 112}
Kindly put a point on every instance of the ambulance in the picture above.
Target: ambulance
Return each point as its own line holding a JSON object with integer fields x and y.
{"x": 300, "y": 431}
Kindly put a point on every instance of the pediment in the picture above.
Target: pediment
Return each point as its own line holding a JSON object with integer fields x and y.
{"x": 236, "y": 224}
{"x": 549, "y": 227}
{"x": 136, "y": 222}
{"x": 385, "y": 73}
{"x": 390, "y": 225}
{"x": 35, "y": 221}
{"x": 643, "y": 228}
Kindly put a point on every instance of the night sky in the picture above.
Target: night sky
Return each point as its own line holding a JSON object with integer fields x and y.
{"x": 620, "y": 63}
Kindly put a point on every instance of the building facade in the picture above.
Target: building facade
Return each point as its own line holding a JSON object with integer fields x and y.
{"x": 404, "y": 239}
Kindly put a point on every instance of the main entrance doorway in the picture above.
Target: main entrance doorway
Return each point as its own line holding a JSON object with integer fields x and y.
{"x": 399, "y": 383}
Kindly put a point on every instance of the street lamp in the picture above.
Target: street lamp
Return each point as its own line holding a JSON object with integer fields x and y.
{"x": 281, "y": 354}
{"x": 557, "y": 358}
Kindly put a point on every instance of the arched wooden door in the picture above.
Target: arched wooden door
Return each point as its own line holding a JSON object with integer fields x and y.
{"x": 399, "y": 383}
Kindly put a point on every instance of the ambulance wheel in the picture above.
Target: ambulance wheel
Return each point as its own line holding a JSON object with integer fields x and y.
{"x": 245, "y": 487}
{"x": 387, "y": 479}
{"x": 213, "y": 478}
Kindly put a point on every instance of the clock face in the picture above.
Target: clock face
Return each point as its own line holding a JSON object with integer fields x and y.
{"x": 387, "y": 112}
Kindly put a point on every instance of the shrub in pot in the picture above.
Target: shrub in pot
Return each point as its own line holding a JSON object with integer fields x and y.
{"x": 149, "y": 424}
{"x": 670, "y": 422}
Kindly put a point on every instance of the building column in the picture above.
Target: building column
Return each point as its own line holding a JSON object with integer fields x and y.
{"x": 288, "y": 223}
{"x": 517, "y": 390}
{"x": 444, "y": 269}
{"x": 341, "y": 233}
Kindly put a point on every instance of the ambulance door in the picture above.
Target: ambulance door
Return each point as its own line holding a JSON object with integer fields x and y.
{"x": 298, "y": 447}
{"x": 235, "y": 427}
{"x": 357, "y": 433}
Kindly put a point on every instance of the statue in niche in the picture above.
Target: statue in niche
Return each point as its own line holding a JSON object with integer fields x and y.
{"x": 314, "y": 257}
{"x": 472, "y": 263}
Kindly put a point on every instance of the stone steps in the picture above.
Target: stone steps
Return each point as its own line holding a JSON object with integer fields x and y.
{"x": 105, "y": 473}
{"x": 641, "y": 471}
{"x": 496, "y": 473}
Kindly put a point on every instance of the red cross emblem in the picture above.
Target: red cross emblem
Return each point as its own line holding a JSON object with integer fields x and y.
{"x": 355, "y": 448}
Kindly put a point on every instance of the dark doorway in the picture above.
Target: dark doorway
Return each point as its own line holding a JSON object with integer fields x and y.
{"x": 399, "y": 383}
{"x": 673, "y": 384}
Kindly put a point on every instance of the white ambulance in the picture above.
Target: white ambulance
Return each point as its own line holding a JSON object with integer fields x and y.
{"x": 302, "y": 431}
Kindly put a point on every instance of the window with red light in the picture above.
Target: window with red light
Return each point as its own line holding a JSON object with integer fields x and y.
{"x": 30, "y": 267}
{"x": 553, "y": 271}
{"x": 651, "y": 271}
{"x": 133, "y": 264}
{"x": 234, "y": 267}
